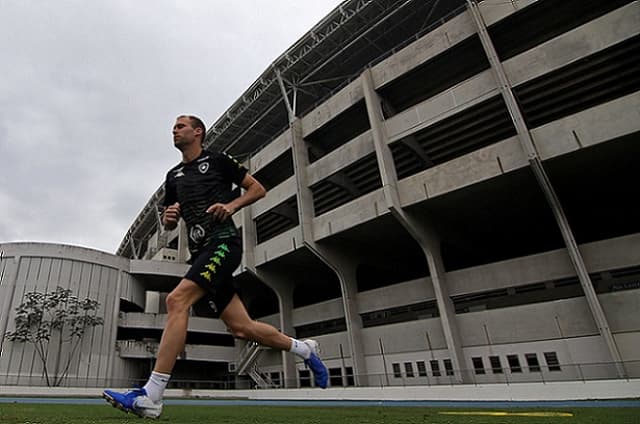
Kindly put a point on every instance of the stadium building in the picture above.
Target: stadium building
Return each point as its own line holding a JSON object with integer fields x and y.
{"x": 451, "y": 200}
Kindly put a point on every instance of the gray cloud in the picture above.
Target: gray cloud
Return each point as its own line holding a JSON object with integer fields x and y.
{"x": 89, "y": 91}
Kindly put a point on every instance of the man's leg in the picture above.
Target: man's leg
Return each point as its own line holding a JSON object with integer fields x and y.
{"x": 146, "y": 402}
{"x": 174, "y": 335}
{"x": 237, "y": 319}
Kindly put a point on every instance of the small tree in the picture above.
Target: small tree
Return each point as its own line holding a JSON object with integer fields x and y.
{"x": 41, "y": 316}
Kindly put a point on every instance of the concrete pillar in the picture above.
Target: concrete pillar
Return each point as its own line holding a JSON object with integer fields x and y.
{"x": 283, "y": 287}
{"x": 278, "y": 283}
{"x": 341, "y": 264}
{"x": 344, "y": 264}
{"x": 249, "y": 233}
{"x": 526, "y": 141}
{"x": 418, "y": 227}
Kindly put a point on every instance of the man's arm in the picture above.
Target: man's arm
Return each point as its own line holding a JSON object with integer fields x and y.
{"x": 253, "y": 191}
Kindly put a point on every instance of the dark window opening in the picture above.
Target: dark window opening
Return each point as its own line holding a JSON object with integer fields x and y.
{"x": 448, "y": 366}
{"x": 422, "y": 369}
{"x": 335, "y": 377}
{"x": 496, "y": 366}
{"x": 408, "y": 369}
{"x": 277, "y": 171}
{"x": 305, "y": 378}
{"x": 338, "y": 131}
{"x": 532, "y": 362}
{"x": 451, "y": 67}
{"x": 277, "y": 220}
{"x": 514, "y": 363}
{"x": 478, "y": 365}
{"x": 396, "y": 370}
{"x": 349, "y": 183}
{"x": 551, "y": 358}
{"x": 435, "y": 368}
{"x": 350, "y": 378}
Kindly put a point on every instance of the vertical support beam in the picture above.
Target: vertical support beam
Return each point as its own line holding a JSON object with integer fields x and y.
{"x": 303, "y": 192}
{"x": 282, "y": 288}
{"x": 133, "y": 248}
{"x": 290, "y": 109}
{"x": 545, "y": 184}
{"x": 339, "y": 263}
{"x": 422, "y": 232}
{"x": 249, "y": 234}
{"x": 285, "y": 302}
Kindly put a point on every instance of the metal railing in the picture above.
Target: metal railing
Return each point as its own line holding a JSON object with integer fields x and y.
{"x": 230, "y": 381}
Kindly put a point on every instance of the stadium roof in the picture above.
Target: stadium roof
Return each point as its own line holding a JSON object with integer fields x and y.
{"x": 355, "y": 35}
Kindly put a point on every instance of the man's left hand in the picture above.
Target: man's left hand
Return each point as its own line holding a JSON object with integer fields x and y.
{"x": 221, "y": 211}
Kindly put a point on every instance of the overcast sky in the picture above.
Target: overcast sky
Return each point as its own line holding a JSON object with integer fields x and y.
{"x": 89, "y": 91}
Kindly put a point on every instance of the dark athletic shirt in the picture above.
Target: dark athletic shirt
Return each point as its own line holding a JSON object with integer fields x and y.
{"x": 196, "y": 186}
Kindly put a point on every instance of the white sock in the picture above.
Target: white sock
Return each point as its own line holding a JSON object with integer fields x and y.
{"x": 300, "y": 348}
{"x": 156, "y": 385}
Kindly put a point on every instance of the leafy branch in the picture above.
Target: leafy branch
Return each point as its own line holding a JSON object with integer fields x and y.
{"x": 58, "y": 315}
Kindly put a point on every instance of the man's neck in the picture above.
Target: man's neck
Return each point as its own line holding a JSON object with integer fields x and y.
{"x": 191, "y": 153}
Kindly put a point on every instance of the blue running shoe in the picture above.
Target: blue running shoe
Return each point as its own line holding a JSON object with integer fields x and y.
{"x": 320, "y": 373}
{"x": 134, "y": 400}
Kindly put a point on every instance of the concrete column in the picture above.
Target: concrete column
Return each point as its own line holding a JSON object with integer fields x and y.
{"x": 303, "y": 192}
{"x": 341, "y": 264}
{"x": 344, "y": 264}
{"x": 418, "y": 227}
{"x": 278, "y": 283}
{"x": 526, "y": 141}
{"x": 249, "y": 233}
{"x": 283, "y": 287}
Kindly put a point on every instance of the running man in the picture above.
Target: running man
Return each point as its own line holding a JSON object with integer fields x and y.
{"x": 199, "y": 190}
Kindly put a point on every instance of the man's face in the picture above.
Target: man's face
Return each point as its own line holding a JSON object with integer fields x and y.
{"x": 184, "y": 134}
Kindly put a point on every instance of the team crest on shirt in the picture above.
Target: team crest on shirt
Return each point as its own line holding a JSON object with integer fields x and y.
{"x": 203, "y": 167}
{"x": 197, "y": 233}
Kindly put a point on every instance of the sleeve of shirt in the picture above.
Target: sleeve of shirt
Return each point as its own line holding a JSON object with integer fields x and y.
{"x": 170, "y": 193}
{"x": 233, "y": 169}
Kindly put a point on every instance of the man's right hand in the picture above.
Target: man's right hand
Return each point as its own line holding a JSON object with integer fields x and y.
{"x": 171, "y": 216}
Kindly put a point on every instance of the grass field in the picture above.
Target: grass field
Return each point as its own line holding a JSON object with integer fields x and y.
{"x": 14, "y": 413}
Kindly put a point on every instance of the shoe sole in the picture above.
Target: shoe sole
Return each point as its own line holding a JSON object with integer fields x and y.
{"x": 119, "y": 406}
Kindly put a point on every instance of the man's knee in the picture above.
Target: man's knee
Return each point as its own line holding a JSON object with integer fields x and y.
{"x": 181, "y": 298}
{"x": 175, "y": 302}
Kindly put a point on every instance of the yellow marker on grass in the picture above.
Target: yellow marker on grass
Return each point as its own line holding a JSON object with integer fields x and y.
{"x": 504, "y": 414}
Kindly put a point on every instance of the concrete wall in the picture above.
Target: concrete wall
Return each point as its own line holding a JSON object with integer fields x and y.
{"x": 88, "y": 274}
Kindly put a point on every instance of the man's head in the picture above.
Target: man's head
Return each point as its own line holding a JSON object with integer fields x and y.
{"x": 188, "y": 129}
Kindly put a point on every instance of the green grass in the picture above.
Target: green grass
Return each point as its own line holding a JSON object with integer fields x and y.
{"x": 105, "y": 414}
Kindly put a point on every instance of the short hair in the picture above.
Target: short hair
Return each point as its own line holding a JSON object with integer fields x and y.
{"x": 196, "y": 123}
